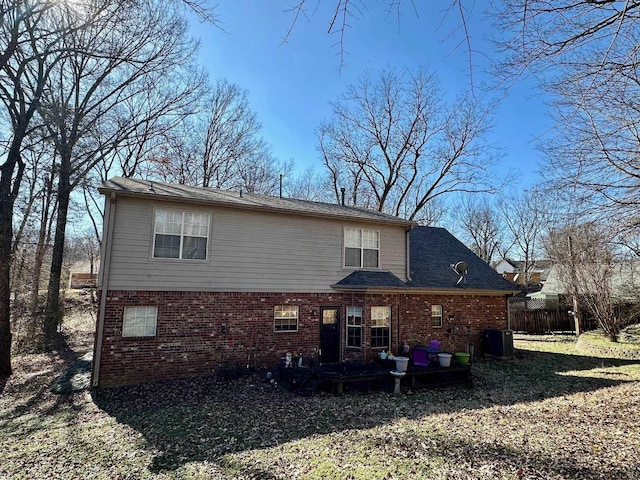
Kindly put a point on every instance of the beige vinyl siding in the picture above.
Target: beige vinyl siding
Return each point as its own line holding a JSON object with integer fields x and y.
{"x": 247, "y": 251}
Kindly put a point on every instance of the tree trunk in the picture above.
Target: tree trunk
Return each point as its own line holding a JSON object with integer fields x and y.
{"x": 41, "y": 250}
{"x": 574, "y": 288}
{"x": 44, "y": 235}
{"x": 8, "y": 190}
{"x": 6, "y": 233}
{"x": 53, "y": 311}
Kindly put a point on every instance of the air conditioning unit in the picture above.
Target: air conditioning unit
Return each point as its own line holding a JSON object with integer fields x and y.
{"x": 498, "y": 342}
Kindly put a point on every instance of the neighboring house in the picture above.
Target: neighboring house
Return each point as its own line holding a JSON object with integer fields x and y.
{"x": 625, "y": 283}
{"x": 513, "y": 271}
{"x": 193, "y": 279}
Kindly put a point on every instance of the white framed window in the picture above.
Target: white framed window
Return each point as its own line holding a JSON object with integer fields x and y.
{"x": 139, "y": 321}
{"x": 436, "y": 315}
{"x": 380, "y": 327}
{"x": 354, "y": 327}
{"x": 182, "y": 235}
{"x": 361, "y": 248}
{"x": 285, "y": 318}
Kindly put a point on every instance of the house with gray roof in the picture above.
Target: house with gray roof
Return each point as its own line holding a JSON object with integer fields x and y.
{"x": 518, "y": 272}
{"x": 624, "y": 281}
{"x": 196, "y": 279}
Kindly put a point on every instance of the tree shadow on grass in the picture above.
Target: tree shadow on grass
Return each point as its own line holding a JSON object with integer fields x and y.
{"x": 4, "y": 379}
{"x": 201, "y": 420}
{"x": 535, "y": 375}
{"x": 30, "y": 385}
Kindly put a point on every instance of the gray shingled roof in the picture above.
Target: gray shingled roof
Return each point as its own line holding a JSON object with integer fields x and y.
{"x": 166, "y": 191}
{"x": 433, "y": 251}
{"x": 363, "y": 279}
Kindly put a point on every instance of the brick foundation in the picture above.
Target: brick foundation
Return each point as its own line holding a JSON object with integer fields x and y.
{"x": 190, "y": 340}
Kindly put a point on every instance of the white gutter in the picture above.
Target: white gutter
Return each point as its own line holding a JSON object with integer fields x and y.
{"x": 105, "y": 263}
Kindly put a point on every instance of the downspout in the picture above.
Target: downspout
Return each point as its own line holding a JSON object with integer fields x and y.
{"x": 398, "y": 343}
{"x": 408, "y": 254}
{"x": 407, "y": 274}
{"x": 105, "y": 263}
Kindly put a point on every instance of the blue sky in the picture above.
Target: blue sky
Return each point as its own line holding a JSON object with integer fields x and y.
{"x": 291, "y": 85}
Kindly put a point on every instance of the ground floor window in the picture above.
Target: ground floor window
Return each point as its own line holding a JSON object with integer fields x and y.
{"x": 354, "y": 327}
{"x": 380, "y": 327}
{"x": 285, "y": 318}
{"x": 139, "y": 321}
{"x": 436, "y": 315}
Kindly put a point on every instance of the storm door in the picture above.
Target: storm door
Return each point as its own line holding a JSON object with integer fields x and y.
{"x": 329, "y": 334}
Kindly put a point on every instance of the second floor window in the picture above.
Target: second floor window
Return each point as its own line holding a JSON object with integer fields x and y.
{"x": 361, "y": 248}
{"x": 182, "y": 235}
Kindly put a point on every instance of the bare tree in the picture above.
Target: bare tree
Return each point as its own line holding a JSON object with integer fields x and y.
{"x": 595, "y": 158}
{"x": 601, "y": 280}
{"x": 30, "y": 35}
{"x": 261, "y": 174}
{"x": 85, "y": 103}
{"x": 481, "y": 226}
{"x": 526, "y": 216}
{"x": 232, "y": 135}
{"x": 586, "y": 54}
{"x": 222, "y": 148}
{"x": 397, "y": 146}
{"x": 36, "y": 209}
{"x": 179, "y": 153}
{"x": 307, "y": 185}
{"x": 341, "y": 14}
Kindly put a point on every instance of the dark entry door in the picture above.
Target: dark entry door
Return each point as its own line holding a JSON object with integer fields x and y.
{"x": 329, "y": 334}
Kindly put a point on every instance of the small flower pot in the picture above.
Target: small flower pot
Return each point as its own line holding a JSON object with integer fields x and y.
{"x": 402, "y": 363}
{"x": 445, "y": 359}
{"x": 462, "y": 358}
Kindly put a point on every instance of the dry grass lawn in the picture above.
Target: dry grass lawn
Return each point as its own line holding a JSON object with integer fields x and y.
{"x": 550, "y": 413}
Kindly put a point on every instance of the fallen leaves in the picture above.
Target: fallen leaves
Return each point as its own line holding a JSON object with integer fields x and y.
{"x": 548, "y": 414}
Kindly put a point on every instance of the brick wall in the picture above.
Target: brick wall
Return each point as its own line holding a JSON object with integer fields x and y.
{"x": 190, "y": 338}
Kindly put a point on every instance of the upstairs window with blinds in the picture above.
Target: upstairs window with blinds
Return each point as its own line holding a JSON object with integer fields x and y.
{"x": 361, "y": 248}
{"x": 181, "y": 235}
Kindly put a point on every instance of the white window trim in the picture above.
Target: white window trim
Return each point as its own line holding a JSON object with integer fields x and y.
{"x": 362, "y": 249}
{"x": 371, "y": 326}
{"x": 349, "y": 325}
{"x": 432, "y": 316}
{"x": 182, "y": 213}
{"x": 135, "y": 311}
{"x": 297, "y": 317}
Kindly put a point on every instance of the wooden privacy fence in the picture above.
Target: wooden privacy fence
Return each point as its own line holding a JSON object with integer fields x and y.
{"x": 83, "y": 280}
{"x": 539, "y": 316}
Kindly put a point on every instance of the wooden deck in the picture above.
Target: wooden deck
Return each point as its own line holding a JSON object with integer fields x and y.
{"x": 436, "y": 376}
{"x": 427, "y": 376}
